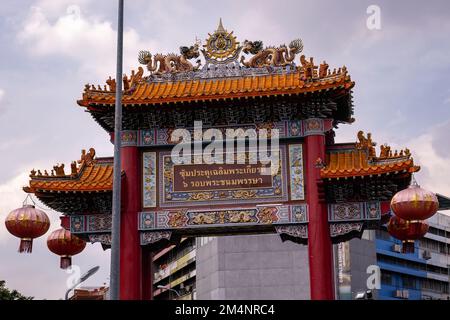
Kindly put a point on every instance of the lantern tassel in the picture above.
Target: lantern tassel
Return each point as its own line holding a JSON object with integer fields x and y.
{"x": 66, "y": 262}
{"x": 26, "y": 245}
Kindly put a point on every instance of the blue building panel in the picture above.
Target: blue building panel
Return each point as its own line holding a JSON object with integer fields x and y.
{"x": 402, "y": 274}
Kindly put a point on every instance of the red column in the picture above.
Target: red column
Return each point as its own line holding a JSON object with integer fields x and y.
{"x": 130, "y": 248}
{"x": 147, "y": 274}
{"x": 319, "y": 241}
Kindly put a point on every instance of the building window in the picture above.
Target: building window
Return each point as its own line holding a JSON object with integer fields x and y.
{"x": 386, "y": 278}
{"x": 410, "y": 283}
{"x": 383, "y": 235}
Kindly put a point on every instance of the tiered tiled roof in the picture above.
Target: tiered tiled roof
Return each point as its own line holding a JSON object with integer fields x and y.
{"x": 152, "y": 93}
{"x": 359, "y": 159}
{"x": 88, "y": 175}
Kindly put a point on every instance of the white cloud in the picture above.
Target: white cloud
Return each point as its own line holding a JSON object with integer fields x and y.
{"x": 434, "y": 174}
{"x": 85, "y": 39}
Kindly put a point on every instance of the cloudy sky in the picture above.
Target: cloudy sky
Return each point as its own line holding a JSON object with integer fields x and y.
{"x": 50, "y": 49}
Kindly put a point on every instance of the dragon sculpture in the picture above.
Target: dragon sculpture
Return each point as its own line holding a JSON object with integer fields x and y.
{"x": 270, "y": 56}
{"x": 171, "y": 63}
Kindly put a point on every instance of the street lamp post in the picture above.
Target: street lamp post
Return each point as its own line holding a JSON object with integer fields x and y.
{"x": 116, "y": 205}
{"x": 170, "y": 289}
{"x": 83, "y": 278}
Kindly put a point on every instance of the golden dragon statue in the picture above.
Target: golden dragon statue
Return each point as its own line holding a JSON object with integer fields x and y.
{"x": 171, "y": 63}
{"x": 270, "y": 56}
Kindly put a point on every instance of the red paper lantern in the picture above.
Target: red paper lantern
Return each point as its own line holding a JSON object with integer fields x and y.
{"x": 66, "y": 245}
{"x": 407, "y": 231}
{"x": 414, "y": 203}
{"x": 27, "y": 223}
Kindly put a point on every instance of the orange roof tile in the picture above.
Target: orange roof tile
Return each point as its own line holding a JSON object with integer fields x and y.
{"x": 218, "y": 88}
{"x": 360, "y": 159}
{"x": 345, "y": 164}
{"x": 93, "y": 177}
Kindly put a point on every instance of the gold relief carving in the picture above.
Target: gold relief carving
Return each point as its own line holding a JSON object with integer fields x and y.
{"x": 203, "y": 218}
{"x": 200, "y": 196}
{"x": 268, "y": 215}
{"x": 242, "y": 217}
{"x": 177, "y": 219}
{"x": 244, "y": 194}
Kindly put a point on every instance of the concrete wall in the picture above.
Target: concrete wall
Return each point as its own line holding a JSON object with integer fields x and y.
{"x": 362, "y": 255}
{"x": 252, "y": 267}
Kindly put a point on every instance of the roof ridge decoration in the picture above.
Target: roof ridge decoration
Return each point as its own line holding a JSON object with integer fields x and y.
{"x": 386, "y": 154}
{"x": 224, "y": 59}
{"x": 221, "y": 48}
{"x": 221, "y": 52}
{"x": 362, "y": 160}
{"x": 76, "y": 167}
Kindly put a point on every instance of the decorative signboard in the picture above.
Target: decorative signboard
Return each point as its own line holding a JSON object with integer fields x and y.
{"x": 211, "y": 184}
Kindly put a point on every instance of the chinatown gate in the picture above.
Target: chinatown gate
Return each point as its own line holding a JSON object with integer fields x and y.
{"x": 323, "y": 193}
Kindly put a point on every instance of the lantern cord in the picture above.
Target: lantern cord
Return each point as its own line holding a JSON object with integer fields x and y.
{"x": 414, "y": 181}
{"x": 26, "y": 199}
{"x": 35, "y": 204}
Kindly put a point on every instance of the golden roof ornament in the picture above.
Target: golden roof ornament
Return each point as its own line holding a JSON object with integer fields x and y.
{"x": 220, "y": 28}
{"x": 221, "y": 47}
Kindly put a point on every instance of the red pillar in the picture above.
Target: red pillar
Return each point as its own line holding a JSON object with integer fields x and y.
{"x": 319, "y": 241}
{"x": 147, "y": 274}
{"x": 130, "y": 248}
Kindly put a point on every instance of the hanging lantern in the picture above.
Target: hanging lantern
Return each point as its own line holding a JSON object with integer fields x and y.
{"x": 414, "y": 203}
{"x": 27, "y": 223}
{"x": 66, "y": 245}
{"x": 408, "y": 231}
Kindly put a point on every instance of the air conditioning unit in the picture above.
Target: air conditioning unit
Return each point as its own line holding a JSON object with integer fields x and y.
{"x": 405, "y": 294}
{"x": 426, "y": 254}
{"x": 402, "y": 294}
{"x": 397, "y": 248}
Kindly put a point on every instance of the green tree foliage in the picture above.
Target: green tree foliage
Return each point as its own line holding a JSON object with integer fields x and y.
{"x": 6, "y": 294}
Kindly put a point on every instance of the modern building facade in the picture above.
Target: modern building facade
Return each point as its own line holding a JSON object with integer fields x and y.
{"x": 263, "y": 267}
{"x": 255, "y": 267}
{"x": 232, "y": 268}
{"x": 424, "y": 274}
{"x": 175, "y": 271}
